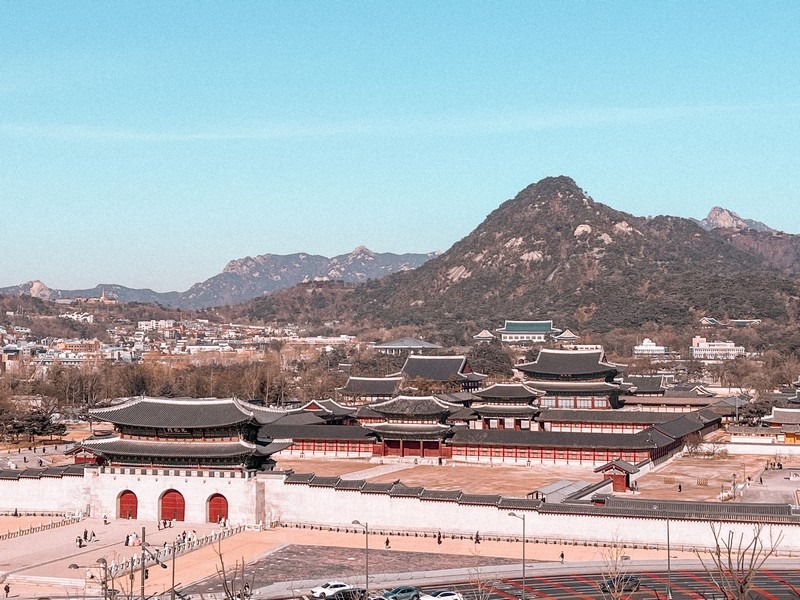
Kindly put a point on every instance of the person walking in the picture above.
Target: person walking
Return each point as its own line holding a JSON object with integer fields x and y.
{"x": 562, "y": 557}
{"x": 7, "y": 589}
{"x": 387, "y": 545}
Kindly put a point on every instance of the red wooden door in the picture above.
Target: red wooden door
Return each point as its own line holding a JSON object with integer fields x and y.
{"x": 217, "y": 508}
{"x": 128, "y": 505}
{"x": 173, "y": 506}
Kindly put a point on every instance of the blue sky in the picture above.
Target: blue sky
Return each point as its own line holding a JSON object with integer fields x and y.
{"x": 148, "y": 143}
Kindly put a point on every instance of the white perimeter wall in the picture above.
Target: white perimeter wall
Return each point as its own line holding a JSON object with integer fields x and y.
{"x": 57, "y": 494}
{"x": 98, "y": 493}
{"x": 297, "y": 503}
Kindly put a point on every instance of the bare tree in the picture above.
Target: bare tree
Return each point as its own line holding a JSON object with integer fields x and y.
{"x": 735, "y": 561}
{"x": 616, "y": 581}
{"x": 235, "y": 584}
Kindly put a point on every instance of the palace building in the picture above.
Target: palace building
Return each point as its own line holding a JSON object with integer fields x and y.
{"x": 185, "y": 455}
{"x": 573, "y": 379}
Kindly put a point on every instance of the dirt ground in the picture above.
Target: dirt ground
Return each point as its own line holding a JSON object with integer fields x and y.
{"x": 701, "y": 478}
{"x": 473, "y": 479}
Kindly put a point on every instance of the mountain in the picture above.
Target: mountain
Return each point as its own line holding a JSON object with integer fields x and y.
{"x": 722, "y": 218}
{"x": 553, "y": 252}
{"x": 252, "y": 277}
{"x": 246, "y": 278}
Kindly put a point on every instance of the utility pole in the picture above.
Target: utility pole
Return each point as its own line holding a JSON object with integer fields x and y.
{"x": 143, "y": 561}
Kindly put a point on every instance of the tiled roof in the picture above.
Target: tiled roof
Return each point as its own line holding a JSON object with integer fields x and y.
{"x": 784, "y": 416}
{"x": 187, "y": 413}
{"x": 441, "y": 495}
{"x": 299, "y": 417}
{"x": 414, "y": 406}
{"x": 435, "y": 368}
{"x": 558, "y": 415}
{"x": 351, "y": 484}
{"x": 456, "y": 397}
{"x": 568, "y": 362}
{"x": 682, "y": 426}
{"x": 378, "y": 488}
{"x": 183, "y": 449}
{"x": 528, "y": 327}
{"x": 328, "y": 407}
{"x": 365, "y": 412}
{"x": 371, "y": 386}
{"x": 647, "y": 384}
{"x": 510, "y": 410}
{"x": 667, "y": 400}
{"x": 410, "y": 430}
{"x": 481, "y": 499}
{"x": 620, "y": 464}
{"x": 586, "y": 387}
{"x": 511, "y": 391}
{"x": 314, "y": 432}
{"x": 518, "y": 503}
{"x": 406, "y": 491}
{"x": 642, "y": 440}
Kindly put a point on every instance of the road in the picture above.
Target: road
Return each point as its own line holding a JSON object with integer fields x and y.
{"x": 770, "y": 585}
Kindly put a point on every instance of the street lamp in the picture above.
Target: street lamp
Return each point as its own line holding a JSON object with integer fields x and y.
{"x": 366, "y": 556}
{"x": 669, "y": 560}
{"x": 522, "y": 518}
{"x": 103, "y": 581}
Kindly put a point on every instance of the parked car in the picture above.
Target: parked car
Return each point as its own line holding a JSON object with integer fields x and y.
{"x": 329, "y": 588}
{"x": 620, "y": 583}
{"x": 353, "y": 593}
{"x": 442, "y": 595}
{"x": 404, "y": 592}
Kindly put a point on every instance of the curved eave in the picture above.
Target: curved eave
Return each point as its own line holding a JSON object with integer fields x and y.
{"x": 117, "y": 447}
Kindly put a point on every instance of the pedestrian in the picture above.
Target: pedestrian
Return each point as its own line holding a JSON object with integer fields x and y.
{"x": 477, "y": 537}
{"x": 85, "y": 535}
{"x": 562, "y": 557}
{"x": 386, "y": 544}
{"x": 92, "y": 536}
{"x": 7, "y": 589}
{"x": 680, "y": 488}
{"x": 439, "y": 538}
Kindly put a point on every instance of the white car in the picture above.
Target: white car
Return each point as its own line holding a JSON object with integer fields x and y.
{"x": 329, "y": 589}
{"x": 442, "y": 595}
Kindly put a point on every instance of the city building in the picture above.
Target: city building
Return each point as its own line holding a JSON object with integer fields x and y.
{"x": 701, "y": 349}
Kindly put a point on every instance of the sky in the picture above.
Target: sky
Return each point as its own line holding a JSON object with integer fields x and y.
{"x": 149, "y": 143}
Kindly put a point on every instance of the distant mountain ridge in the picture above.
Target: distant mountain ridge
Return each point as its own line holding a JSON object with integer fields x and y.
{"x": 247, "y": 278}
{"x": 552, "y": 252}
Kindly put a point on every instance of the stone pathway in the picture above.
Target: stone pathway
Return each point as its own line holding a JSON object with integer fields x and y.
{"x": 378, "y": 470}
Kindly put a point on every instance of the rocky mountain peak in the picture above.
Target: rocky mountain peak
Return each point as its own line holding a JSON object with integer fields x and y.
{"x": 722, "y": 218}
{"x": 362, "y": 253}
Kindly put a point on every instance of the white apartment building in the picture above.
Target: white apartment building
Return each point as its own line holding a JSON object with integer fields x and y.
{"x": 649, "y": 348}
{"x": 705, "y": 350}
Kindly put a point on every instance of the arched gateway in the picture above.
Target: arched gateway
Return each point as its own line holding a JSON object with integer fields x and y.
{"x": 127, "y": 505}
{"x": 172, "y": 506}
{"x": 217, "y": 508}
